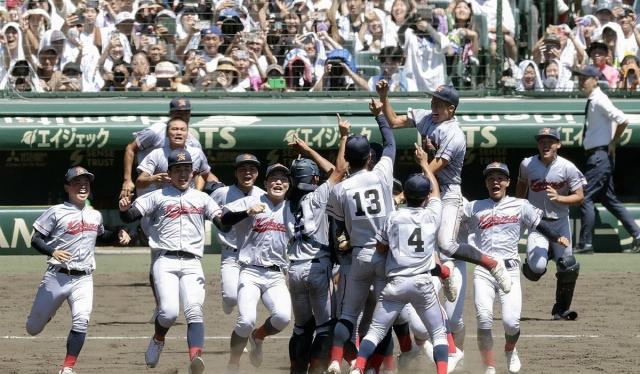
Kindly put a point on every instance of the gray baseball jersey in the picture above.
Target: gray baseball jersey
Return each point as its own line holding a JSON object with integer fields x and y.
{"x": 410, "y": 234}
{"x": 155, "y": 136}
{"x": 227, "y": 195}
{"x": 177, "y": 218}
{"x": 561, "y": 174}
{"x": 156, "y": 162}
{"x": 269, "y": 232}
{"x": 498, "y": 224}
{"x": 448, "y": 139}
{"x": 312, "y": 226}
{"x": 363, "y": 202}
{"x": 71, "y": 229}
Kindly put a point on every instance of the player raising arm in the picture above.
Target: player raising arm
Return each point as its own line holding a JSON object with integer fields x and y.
{"x": 177, "y": 232}
{"x": 67, "y": 234}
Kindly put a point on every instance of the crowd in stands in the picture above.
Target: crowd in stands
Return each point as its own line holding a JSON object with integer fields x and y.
{"x": 312, "y": 45}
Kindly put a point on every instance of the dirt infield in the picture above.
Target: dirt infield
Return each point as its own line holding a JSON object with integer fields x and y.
{"x": 605, "y": 339}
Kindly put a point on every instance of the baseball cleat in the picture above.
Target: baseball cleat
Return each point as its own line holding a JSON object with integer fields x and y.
{"x": 334, "y": 368}
{"x": 67, "y": 370}
{"x": 513, "y": 361}
{"x": 502, "y": 276}
{"x": 428, "y": 350}
{"x": 196, "y": 366}
{"x": 152, "y": 355}
{"x": 255, "y": 355}
{"x": 456, "y": 361}
{"x": 448, "y": 285}
{"x": 568, "y": 315}
{"x": 490, "y": 370}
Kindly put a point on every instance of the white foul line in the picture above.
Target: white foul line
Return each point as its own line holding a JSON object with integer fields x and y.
{"x": 15, "y": 337}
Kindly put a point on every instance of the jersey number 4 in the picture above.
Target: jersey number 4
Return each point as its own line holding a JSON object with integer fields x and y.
{"x": 413, "y": 239}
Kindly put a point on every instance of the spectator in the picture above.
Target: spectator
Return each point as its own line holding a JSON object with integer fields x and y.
{"x": 424, "y": 47}
{"x": 559, "y": 43}
{"x": 555, "y": 77}
{"x": 230, "y": 25}
{"x": 90, "y": 32}
{"x": 462, "y": 31}
{"x": 11, "y": 45}
{"x": 47, "y": 71}
{"x": 194, "y": 68}
{"x": 340, "y": 73}
{"x": 22, "y": 78}
{"x": 611, "y": 33}
{"x": 299, "y": 71}
{"x": 604, "y": 11}
{"x": 629, "y": 73}
{"x": 225, "y": 77}
{"x": 630, "y": 38}
{"x": 118, "y": 79}
{"x": 584, "y": 30}
{"x": 168, "y": 79}
{"x": 599, "y": 54}
{"x": 114, "y": 53}
{"x": 257, "y": 45}
{"x": 401, "y": 10}
{"x": 529, "y": 77}
{"x": 189, "y": 37}
{"x": 211, "y": 38}
{"x": 348, "y": 24}
{"x": 287, "y": 39}
{"x": 141, "y": 78}
{"x": 157, "y": 53}
{"x": 390, "y": 60}
{"x": 243, "y": 60}
{"x": 371, "y": 34}
{"x": 124, "y": 25}
{"x": 275, "y": 79}
{"x": 489, "y": 9}
{"x": 71, "y": 79}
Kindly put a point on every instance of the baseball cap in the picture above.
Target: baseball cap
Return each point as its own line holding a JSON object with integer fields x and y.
{"x": 376, "y": 151}
{"x": 417, "y": 187}
{"x": 124, "y": 16}
{"x": 77, "y": 171}
{"x": 448, "y": 94}
{"x": 56, "y": 35}
{"x": 246, "y": 158}
{"x": 605, "y": 5}
{"x": 496, "y": 166}
{"x": 357, "y": 148}
{"x": 179, "y": 157}
{"x": 277, "y": 167}
{"x": 597, "y": 44}
{"x": 589, "y": 71}
{"x": 302, "y": 171}
{"x": 179, "y": 103}
{"x": 166, "y": 69}
{"x": 213, "y": 30}
{"x": 548, "y": 132}
{"x": 275, "y": 67}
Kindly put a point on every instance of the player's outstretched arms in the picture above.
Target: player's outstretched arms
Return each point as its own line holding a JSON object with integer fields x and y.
{"x": 129, "y": 155}
{"x": 395, "y": 121}
{"x": 422, "y": 159}
{"x": 388, "y": 140}
{"x": 230, "y": 218}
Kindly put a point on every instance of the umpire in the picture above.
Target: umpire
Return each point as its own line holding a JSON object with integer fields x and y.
{"x": 599, "y": 141}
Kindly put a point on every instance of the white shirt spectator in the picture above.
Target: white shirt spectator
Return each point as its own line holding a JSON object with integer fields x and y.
{"x": 425, "y": 64}
{"x": 489, "y": 9}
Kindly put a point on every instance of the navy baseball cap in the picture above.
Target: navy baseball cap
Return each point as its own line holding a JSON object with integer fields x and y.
{"x": 416, "y": 187}
{"x": 246, "y": 158}
{"x": 179, "y": 103}
{"x": 496, "y": 166}
{"x": 77, "y": 171}
{"x": 213, "y": 30}
{"x": 179, "y": 157}
{"x": 302, "y": 171}
{"x": 376, "y": 151}
{"x": 589, "y": 71}
{"x": 548, "y": 132}
{"x": 357, "y": 148}
{"x": 277, "y": 167}
{"x": 448, "y": 94}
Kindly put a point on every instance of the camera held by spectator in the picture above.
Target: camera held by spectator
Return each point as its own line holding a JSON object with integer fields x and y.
{"x": 630, "y": 71}
{"x": 120, "y": 78}
{"x": 21, "y": 77}
{"x": 71, "y": 80}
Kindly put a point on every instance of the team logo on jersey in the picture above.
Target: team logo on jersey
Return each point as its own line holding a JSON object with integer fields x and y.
{"x": 175, "y": 210}
{"x": 268, "y": 224}
{"x": 538, "y": 185}
{"x": 76, "y": 227}
{"x": 491, "y": 220}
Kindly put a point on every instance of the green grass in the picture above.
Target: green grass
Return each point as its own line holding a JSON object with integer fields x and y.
{"x": 598, "y": 263}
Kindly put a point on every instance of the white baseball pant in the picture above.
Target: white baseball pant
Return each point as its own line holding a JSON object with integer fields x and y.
{"x": 485, "y": 289}
{"x": 311, "y": 289}
{"x": 229, "y": 273}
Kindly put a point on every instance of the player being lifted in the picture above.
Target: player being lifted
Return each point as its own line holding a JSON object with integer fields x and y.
{"x": 498, "y": 222}
{"x": 67, "y": 234}
{"x": 408, "y": 237}
{"x": 310, "y": 283}
{"x": 552, "y": 183}
{"x": 442, "y": 135}
{"x": 177, "y": 230}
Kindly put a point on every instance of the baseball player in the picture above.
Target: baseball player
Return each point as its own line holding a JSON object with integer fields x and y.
{"x": 360, "y": 204}
{"x": 498, "y": 222}
{"x": 246, "y": 167}
{"x": 310, "y": 283}
{"x": 177, "y": 214}
{"x": 153, "y": 137}
{"x": 408, "y": 237}
{"x": 263, "y": 260}
{"x": 443, "y": 137}
{"x": 552, "y": 183}
{"x": 67, "y": 234}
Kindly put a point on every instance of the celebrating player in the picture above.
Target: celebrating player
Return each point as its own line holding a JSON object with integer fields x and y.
{"x": 67, "y": 234}
{"x": 498, "y": 222}
{"x": 310, "y": 282}
{"x": 443, "y": 137}
{"x": 263, "y": 260}
{"x": 246, "y": 167}
{"x": 177, "y": 231}
{"x": 360, "y": 204}
{"x": 552, "y": 183}
{"x": 408, "y": 237}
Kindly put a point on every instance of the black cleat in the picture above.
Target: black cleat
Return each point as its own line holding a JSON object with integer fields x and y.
{"x": 587, "y": 249}
{"x": 568, "y": 315}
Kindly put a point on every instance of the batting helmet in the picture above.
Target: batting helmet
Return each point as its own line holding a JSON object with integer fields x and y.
{"x": 302, "y": 172}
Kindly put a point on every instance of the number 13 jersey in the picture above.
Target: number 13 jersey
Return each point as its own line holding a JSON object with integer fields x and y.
{"x": 363, "y": 202}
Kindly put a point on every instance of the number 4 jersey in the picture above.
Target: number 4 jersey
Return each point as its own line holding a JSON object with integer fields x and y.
{"x": 363, "y": 202}
{"x": 410, "y": 234}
